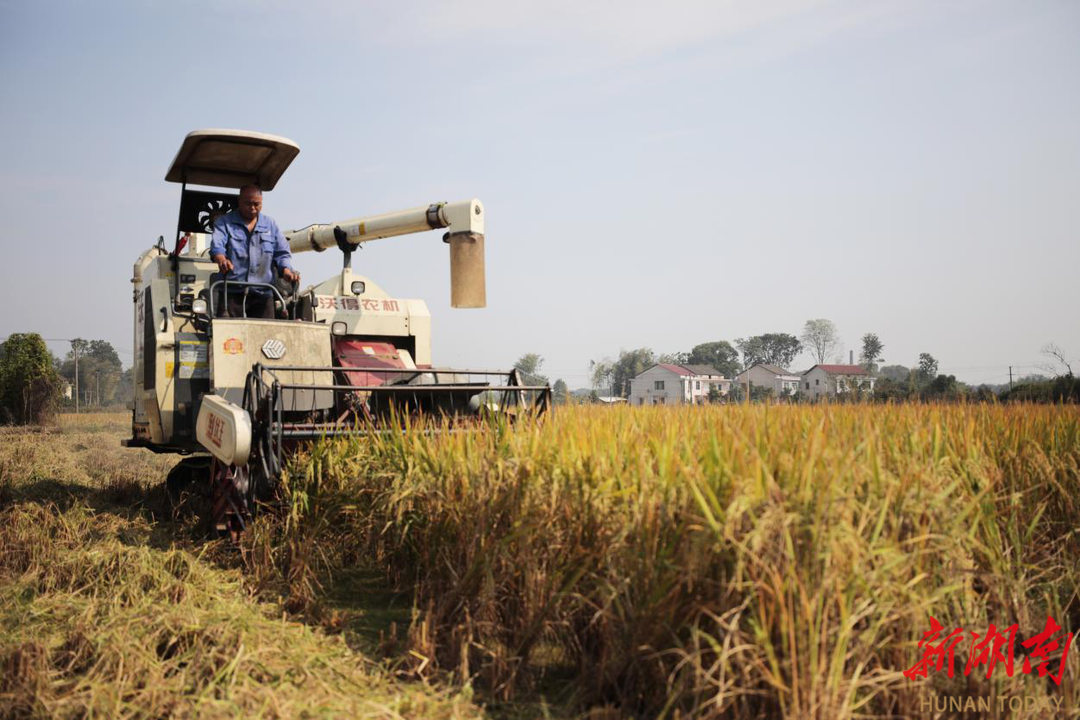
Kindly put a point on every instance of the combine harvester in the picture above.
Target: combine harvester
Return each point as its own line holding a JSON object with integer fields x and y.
{"x": 343, "y": 356}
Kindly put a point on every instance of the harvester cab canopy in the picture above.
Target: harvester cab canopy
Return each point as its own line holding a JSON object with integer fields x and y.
{"x": 227, "y": 159}
{"x": 232, "y": 159}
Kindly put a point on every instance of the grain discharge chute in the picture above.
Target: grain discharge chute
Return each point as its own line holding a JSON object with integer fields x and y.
{"x": 238, "y": 394}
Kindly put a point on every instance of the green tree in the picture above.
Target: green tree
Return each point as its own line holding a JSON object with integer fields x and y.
{"x": 944, "y": 387}
{"x": 630, "y": 364}
{"x": 871, "y": 351}
{"x": 600, "y": 372}
{"x": 675, "y": 358}
{"x": 105, "y": 371}
{"x": 125, "y": 390}
{"x": 100, "y": 371}
{"x": 560, "y": 392}
{"x": 896, "y": 373}
{"x": 759, "y": 393}
{"x": 530, "y": 363}
{"x": 821, "y": 338}
{"x": 1041, "y": 389}
{"x": 928, "y": 368}
{"x": 737, "y": 393}
{"x": 529, "y": 366}
{"x": 29, "y": 386}
{"x": 719, "y": 354}
{"x": 771, "y": 348}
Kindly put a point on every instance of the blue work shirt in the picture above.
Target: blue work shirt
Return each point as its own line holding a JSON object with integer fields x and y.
{"x": 253, "y": 254}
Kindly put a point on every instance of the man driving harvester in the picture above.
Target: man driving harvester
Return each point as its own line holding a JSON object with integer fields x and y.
{"x": 246, "y": 246}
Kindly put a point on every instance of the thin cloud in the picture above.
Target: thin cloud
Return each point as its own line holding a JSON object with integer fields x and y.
{"x": 582, "y": 33}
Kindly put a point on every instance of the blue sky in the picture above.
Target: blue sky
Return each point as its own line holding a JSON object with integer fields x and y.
{"x": 654, "y": 174}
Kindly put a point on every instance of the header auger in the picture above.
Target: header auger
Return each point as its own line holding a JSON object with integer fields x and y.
{"x": 341, "y": 356}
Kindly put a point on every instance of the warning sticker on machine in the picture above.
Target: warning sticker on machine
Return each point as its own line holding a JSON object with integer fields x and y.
{"x": 194, "y": 361}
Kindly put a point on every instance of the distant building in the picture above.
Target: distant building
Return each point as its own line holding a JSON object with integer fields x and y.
{"x": 668, "y": 384}
{"x": 783, "y": 382}
{"x": 831, "y": 380}
{"x": 710, "y": 375}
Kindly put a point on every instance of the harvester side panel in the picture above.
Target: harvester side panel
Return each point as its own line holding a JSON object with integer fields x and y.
{"x": 239, "y": 344}
{"x": 157, "y": 394}
{"x": 191, "y": 378}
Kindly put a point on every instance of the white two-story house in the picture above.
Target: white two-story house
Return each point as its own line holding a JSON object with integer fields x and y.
{"x": 667, "y": 384}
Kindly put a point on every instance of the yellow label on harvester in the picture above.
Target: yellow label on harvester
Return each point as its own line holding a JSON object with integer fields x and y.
{"x": 194, "y": 359}
{"x": 168, "y": 368}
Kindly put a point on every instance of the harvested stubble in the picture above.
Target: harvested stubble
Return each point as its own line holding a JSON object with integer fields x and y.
{"x": 732, "y": 561}
{"x": 103, "y": 615}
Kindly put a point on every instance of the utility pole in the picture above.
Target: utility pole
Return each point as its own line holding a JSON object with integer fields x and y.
{"x": 1010, "y": 379}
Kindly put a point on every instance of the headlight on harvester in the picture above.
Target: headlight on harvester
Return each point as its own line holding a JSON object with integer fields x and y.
{"x": 198, "y": 306}
{"x": 358, "y": 287}
{"x": 339, "y": 328}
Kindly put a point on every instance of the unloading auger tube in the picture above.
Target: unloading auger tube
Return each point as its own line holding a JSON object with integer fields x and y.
{"x": 464, "y": 225}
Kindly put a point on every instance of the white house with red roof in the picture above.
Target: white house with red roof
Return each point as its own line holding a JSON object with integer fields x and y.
{"x": 830, "y": 380}
{"x": 668, "y": 384}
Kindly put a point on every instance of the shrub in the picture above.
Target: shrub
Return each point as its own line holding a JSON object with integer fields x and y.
{"x": 29, "y": 386}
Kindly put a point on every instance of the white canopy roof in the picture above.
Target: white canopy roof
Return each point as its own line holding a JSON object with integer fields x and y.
{"x": 232, "y": 158}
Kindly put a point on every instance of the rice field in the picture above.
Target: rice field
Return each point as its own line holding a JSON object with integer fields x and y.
{"x": 752, "y": 561}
